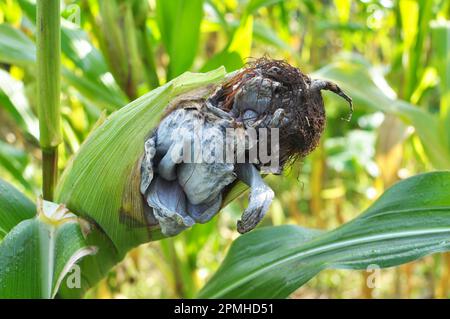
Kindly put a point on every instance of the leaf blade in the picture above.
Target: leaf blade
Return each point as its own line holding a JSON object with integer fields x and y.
{"x": 15, "y": 47}
{"x": 389, "y": 233}
{"x": 14, "y": 208}
{"x": 179, "y": 22}
{"x": 35, "y": 255}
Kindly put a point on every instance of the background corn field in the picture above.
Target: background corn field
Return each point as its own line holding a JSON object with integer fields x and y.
{"x": 392, "y": 57}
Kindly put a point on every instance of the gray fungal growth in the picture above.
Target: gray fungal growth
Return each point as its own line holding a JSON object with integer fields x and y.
{"x": 185, "y": 191}
{"x": 183, "y": 186}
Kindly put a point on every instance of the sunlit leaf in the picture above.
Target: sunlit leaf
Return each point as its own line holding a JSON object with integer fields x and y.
{"x": 254, "y": 5}
{"x": 238, "y": 50}
{"x": 14, "y": 101}
{"x": 267, "y": 35}
{"x": 179, "y": 24}
{"x": 242, "y": 38}
{"x": 369, "y": 88}
{"x": 14, "y": 208}
{"x": 15, "y": 47}
{"x": 409, "y": 221}
{"x": 14, "y": 161}
{"x": 409, "y": 11}
{"x": 343, "y": 8}
{"x": 100, "y": 190}
{"x": 389, "y": 148}
{"x": 261, "y": 32}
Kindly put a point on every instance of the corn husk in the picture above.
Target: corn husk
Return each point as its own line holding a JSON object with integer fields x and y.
{"x": 101, "y": 183}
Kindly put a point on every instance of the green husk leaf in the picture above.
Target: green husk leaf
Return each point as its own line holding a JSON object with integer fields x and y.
{"x": 93, "y": 184}
{"x": 15, "y": 46}
{"x": 94, "y": 81}
{"x": 97, "y": 179}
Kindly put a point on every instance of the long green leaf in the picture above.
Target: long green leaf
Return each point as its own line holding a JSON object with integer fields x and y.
{"x": 179, "y": 24}
{"x": 15, "y": 161}
{"x": 95, "y": 81}
{"x": 238, "y": 49}
{"x": 38, "y": 253}
{"x": 254, "y": 5}
{"x": 409, "y": 221}
{"x": 15, "y": 47}
{"x": 14, "y": 208}
{"x": 415, "y": 17}
{"x": 267, "y": 35}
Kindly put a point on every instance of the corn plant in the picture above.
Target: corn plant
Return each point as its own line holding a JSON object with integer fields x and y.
{"x": 88, "y": 219}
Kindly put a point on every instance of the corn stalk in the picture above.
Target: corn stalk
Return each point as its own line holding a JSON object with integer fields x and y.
{"x": 48, "y": 42}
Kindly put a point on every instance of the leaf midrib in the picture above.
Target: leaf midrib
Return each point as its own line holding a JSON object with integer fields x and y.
{"x": 328, "y": 247}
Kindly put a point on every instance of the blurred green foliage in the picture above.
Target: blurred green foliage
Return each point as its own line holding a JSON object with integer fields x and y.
{"x": 390, "y": 56}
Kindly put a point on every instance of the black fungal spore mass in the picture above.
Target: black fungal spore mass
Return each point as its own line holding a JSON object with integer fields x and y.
{"x": 182, "y": 188}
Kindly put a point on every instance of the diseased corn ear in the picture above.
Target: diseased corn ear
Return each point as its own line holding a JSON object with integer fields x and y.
{"x": 101, "y": 183}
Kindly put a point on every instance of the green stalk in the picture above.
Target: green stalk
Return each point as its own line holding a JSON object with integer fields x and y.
{"x": 48, "y": 40}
